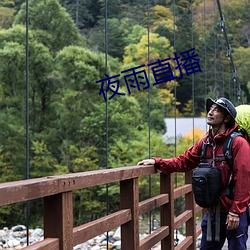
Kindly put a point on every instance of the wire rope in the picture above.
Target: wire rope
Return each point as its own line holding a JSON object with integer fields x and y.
{"x": 222, "y": 70}
{"x": 236, "y": 83}
{"x": 175, "y": 108}
{"x": 27, "y": 207}
{"x": 205, "y": 49}
{"x": 149, "y": 120}
{"x": 175, "y": 87}
{"x": 229, "y": 84}
{"x": 193, "y": 93}
{"x": 215, "y": 53}
{"x": 107, "y": 110}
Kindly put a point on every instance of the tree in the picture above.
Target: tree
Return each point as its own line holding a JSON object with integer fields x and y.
{"x": 118, "y": 31}
{"x": 12, "y": 125}
{"x": 242, "y": 64}
{"x": 40, "y": 60}
{"x": 160, "y": 48}
{"x": 161, "y": 16}
{"x": 53, "y": 25}
{"x": 84, "y": 13}
{"x": 6, "y": 17}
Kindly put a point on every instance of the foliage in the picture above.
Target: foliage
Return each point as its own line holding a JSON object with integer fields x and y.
{"x": 242, "y": 63}
{"x": 71, "y": 127}
{"x": 161, "y": 16}
{"x": 159, "y": 49}
{"x": 53, "y": 25}
{"x": 6, "y": 17}
{"x": 84, "y": 13}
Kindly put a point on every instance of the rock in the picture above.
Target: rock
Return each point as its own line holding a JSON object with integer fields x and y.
{"x": 95, "y": 248}
{"x": 100, "y": 238}
{"x": 3, "y": 233}
{"x": 117, "y": 234}
{"x": 111, "y": 239}
{"x": 38, "y": 232}
{"x": 111, "y": 233}
{"x": 91, "y": 242}
{"x": 18, "y": 228}
{"x": 16, "y": 238}
{"x": 13, "y": 243}
{"x": 103, "y": 243}
{"x": 117, "y": 244}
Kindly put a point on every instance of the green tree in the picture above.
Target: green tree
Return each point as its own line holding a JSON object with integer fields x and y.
{"x": 53, "y": 25}
{"x": 84, "y": 13}
{"x": 42, "y": 163}
{"x": 12, "y": 124}
{"x": 160, "y": 48}
{"x": 242, "y": 64}
{"x": 6, "y": 17}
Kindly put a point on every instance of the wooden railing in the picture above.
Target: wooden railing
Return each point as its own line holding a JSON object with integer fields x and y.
{"x": 59, "y": 232}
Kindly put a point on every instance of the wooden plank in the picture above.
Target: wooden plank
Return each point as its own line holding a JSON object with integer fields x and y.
{"x": 178, "y": 192}
{"x": 154, "y": 238}
{"x": 190, "y": 205}
{"x": 58, "y": 214}
{"x": 182, "y": 218}
{"x": 167, "y": 210}
{"x": 99, "y": 177}
{"x": 46, "y": 244}
{"x": 129, "y": 195}
{"x": 90, "y": 230}
{"x": 185, "y": 244}
{"x": 24, "y": 190}
{"x": 198, "y": 231}
{"x": 198, "y": 209}
{"x": 58, "y": 219}
{"x": 152, "y": 203}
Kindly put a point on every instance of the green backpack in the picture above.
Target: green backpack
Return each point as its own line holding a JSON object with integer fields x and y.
{"x": 243, "y": 120}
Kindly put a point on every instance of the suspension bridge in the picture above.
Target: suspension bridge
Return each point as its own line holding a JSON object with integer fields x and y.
{"x": 56, "y": 192}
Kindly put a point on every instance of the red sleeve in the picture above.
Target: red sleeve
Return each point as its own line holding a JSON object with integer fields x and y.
{"x": 241, "y": 175}
{"x": 183, "y": 163}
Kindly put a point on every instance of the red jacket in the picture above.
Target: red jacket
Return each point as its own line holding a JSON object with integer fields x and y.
{"x": 241, "y": 167}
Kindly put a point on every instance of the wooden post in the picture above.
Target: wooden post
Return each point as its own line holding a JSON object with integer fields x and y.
{"x": 129, "y": 198}
{"x": 58, "y": 219}
{"x": 190, "y": 205}
{"x": 167, "y": 210}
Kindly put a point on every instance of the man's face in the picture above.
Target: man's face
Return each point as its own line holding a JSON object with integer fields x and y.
{"x": 215, "y": 116}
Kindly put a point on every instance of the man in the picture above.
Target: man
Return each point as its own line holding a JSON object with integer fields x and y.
{"x": 221, "y": 115}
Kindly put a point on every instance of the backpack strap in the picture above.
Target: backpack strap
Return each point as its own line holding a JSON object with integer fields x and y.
{"x": 227, "y": 148}
{"x": 227, "y": 151}
{"x": 203, "y": 152}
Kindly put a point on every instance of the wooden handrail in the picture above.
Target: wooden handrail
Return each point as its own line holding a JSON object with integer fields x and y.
{"x": 58, "y": 208}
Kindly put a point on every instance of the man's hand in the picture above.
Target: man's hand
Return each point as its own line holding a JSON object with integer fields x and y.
{"x": 146, "y": 162}
{"x": 232, "y": 221}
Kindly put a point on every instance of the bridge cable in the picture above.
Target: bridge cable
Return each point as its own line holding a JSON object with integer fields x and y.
{"x": 149, "y": 120}
{"x": 205, "y": 49}
{"x": 222, "y": 67}
{"x": 205, "y": 53}
{"x": 193, "y": 93}
{"x": 229, "y": 54}
{"x": 27, "y": 204}
{"x": 107, "y": 120}
{"x": 215, "y": 52}
{"x": 176, "y": 240}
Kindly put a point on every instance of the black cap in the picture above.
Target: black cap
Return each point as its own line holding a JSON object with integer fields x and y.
{"x": 223, "y": 103}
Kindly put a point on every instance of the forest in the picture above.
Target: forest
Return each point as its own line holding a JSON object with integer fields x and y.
{"x": 49, "y": 90}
